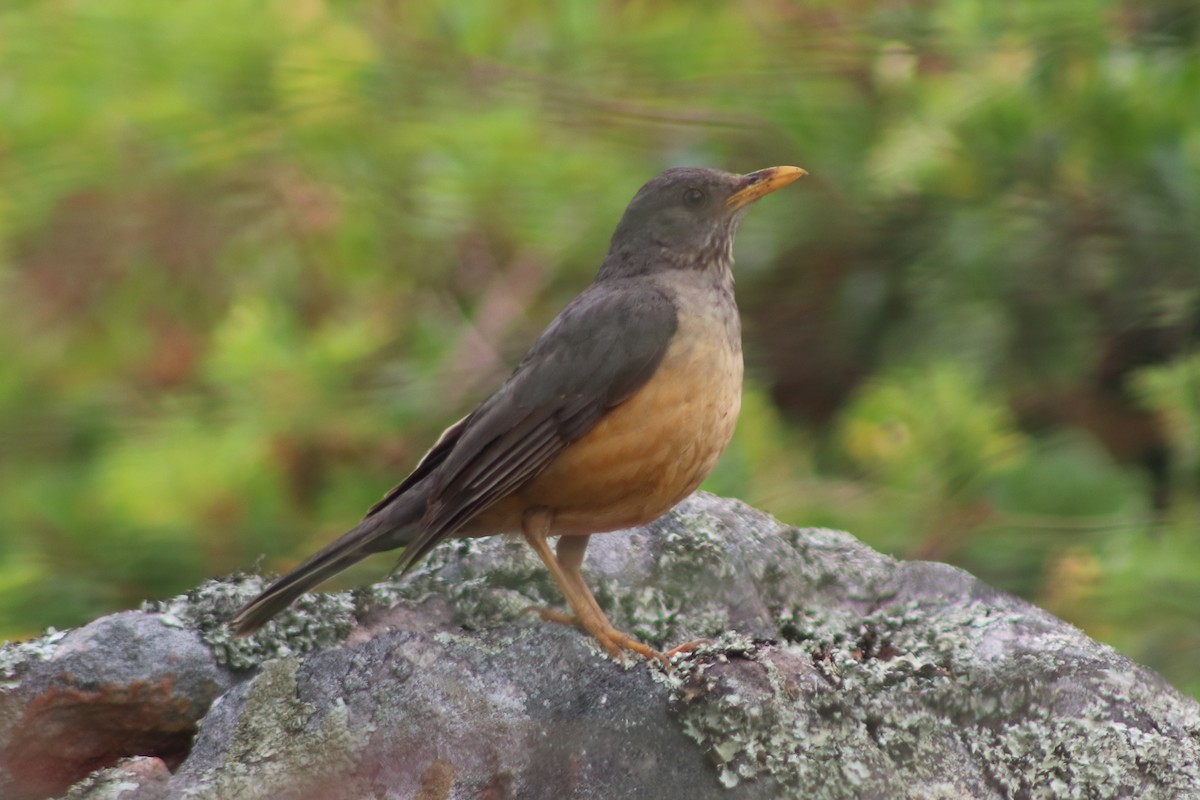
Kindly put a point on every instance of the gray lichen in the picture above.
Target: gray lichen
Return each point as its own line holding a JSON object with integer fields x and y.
{"x": 909, "y": 695}
{"x": 280, "y": 741}
{"x": 313, "y": 622}
{"x": 138, "y": 778}
{"x": 16, "y": 658}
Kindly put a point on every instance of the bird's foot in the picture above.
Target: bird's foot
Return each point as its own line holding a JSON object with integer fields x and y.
{"x": 616, "y": 643}
{"x": 552, "y": 615}
{"x": 686, "y": 648}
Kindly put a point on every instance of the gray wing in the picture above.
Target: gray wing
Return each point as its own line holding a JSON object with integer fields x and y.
{"x": 425, "y": 467}
{"x": 598, "y": 352}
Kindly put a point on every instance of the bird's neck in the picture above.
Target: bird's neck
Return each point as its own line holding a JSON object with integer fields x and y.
{"x": 711, "y": 262}
{"x": 699, "y": 281}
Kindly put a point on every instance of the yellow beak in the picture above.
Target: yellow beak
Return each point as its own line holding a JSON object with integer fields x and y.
{"x": 765, "y": 181}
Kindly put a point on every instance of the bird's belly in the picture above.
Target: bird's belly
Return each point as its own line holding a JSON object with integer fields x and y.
{"x": 649, "y": 452}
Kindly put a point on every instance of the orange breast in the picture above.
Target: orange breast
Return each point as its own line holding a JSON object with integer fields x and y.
{"x": 646, "y": 454}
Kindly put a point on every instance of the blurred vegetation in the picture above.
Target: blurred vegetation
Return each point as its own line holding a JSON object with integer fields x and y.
{"x": 255, "y": 254}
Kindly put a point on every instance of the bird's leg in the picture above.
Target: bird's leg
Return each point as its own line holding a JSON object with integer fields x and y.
{"x": 570, "y": 557}
{"x": 565, "y": 570}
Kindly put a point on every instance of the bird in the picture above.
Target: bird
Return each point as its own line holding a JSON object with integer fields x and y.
{"x": 617, "y": 412}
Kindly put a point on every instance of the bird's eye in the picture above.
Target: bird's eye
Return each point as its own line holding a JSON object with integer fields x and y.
{"x": 693, "y": 198}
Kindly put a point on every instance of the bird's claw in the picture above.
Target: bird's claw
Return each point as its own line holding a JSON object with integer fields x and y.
{"x": 613, "y": 641}
{"x": 552, "y": 615}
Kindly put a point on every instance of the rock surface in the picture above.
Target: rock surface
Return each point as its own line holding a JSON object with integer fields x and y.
{"x": 835, "y": 672}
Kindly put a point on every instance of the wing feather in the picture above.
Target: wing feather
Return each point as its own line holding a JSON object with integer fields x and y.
{"x": 597, "y": 353}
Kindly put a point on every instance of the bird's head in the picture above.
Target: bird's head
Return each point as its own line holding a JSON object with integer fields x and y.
{"x": 686, "y": 218}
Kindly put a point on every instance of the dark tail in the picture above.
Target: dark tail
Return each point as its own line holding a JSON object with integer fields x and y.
{"x": 390, "y": 527}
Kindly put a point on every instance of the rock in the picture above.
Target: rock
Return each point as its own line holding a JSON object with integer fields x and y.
{"x": 835, "y": 672}
{"x": 127, "y": 684}
{"x": 137, "y": 778}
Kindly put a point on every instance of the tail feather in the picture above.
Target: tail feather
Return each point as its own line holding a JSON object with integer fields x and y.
{"x": 381, "y": 531}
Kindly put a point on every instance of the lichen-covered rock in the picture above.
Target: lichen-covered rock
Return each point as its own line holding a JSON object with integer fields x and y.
{"x": 127, "y": 684}
{"x": 136, "y": 778}
{"x": 834, "y": 672}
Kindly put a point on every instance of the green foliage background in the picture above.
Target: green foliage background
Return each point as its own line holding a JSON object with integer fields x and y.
{"x": 254, "y": 256}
